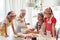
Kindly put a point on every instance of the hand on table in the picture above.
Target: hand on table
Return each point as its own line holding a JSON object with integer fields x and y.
{"x": 19, "y": 36}
{"x": 28, "y": 31}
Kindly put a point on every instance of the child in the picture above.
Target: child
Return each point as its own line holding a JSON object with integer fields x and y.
{"x": 38, "y": 24}
{"x": 49, "y": 22}
{"x": 7, "y": 22}
{"x": 40, "y": 21}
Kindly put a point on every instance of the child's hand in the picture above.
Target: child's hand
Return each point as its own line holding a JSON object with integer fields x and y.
{"x": 21, "y": 36}
{"x": 15, "y": 33}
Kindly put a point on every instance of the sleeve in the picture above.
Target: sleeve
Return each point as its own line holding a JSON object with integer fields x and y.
{"x": 53, "y": 20}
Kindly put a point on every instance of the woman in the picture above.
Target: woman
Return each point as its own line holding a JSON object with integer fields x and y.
{"x": 21, "y": 21}
{"x": 20, "y": 25}
{"x": 7, "y": 22}
{"x": 49, "y": 22}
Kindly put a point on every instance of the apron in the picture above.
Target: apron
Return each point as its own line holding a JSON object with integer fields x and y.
{"x": 49, "y": 26}
{"x": 20, "y": 25}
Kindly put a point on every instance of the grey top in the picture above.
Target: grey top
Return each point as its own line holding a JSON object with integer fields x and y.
{"x": 19, "y": 25}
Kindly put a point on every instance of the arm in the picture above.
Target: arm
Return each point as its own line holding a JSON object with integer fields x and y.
{"x": 6, "y": 30}
{"x": 53, "y": 29}
{"x": 13, "y": 29}
{"x": 43, "y": 27}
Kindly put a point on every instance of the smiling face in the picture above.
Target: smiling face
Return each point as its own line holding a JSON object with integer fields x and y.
{"x": 11, "y": 15}
{"x": 47, "y": 12}
{"x": 23, "y": 13}
{"x": 47, "y": 15}
{"x": 40, "y": 17}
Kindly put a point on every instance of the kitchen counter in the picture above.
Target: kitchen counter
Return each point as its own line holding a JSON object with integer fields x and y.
{"x": 38, "y": 37}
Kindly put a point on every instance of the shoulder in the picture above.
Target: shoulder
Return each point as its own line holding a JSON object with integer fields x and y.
{"x": 53, "y": 20}
{"x": 45, "y": 19}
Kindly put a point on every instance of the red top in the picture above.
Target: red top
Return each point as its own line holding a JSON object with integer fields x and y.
{"x": 49, "y": 23}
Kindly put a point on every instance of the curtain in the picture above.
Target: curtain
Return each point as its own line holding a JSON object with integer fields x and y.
{"x": 11, "y": 5}
{"x": 16, "y": 5}
{"x": 2, "y": 10}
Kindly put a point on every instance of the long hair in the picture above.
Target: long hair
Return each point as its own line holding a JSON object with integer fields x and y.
{"x": 51, "y": 11}
{"x": 41, "y": 14}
